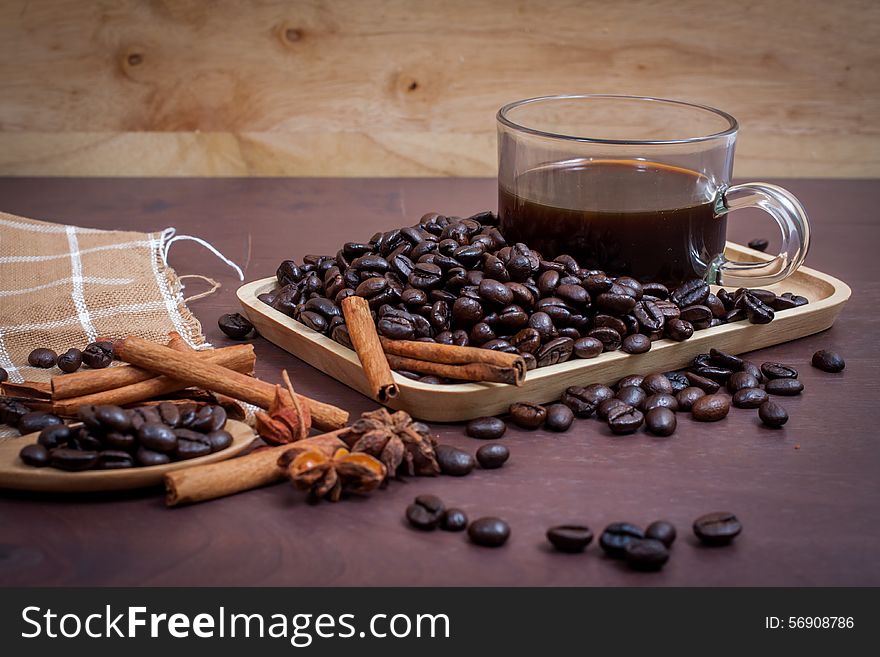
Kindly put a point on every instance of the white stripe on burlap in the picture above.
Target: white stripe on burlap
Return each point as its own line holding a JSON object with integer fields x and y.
{"x": 97, "y": 280}
{"x": 94, "y": 249}
{"x": 78, "y": 293}
{"x": 99, "y": 313}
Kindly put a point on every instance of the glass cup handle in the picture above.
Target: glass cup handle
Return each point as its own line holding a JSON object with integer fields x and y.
{"x": 792, "y": 220}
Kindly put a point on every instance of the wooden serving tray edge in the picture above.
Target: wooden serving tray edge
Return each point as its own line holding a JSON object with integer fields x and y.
{"x": 464, "y": 401}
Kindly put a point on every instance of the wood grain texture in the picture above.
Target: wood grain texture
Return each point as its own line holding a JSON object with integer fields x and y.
{"x": 410, "y": 87}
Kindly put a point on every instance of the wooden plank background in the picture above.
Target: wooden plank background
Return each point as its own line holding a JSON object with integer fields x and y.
{"x": 410, "y": 87}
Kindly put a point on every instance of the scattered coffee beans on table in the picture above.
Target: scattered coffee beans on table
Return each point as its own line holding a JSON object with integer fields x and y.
{"x": 662, "y": 531}
{"x": 645, "y": 554}
{"x": 772, "y": 414}
{"x": 489, "y": 531}
{"x": 527, "y": 415}
{"x": 570, "y": 538}
{"x": 235, "y": 326}
{"x": 828, "y": 361}
{"x": 616, "y": 536}
{"x": 719, "y": 528}
{"x": 454, "y": 520}
{"x": 425, "y": 512}
{"x": 70, "y": 361}
{"x": 486, "y": 428}
{"x": 454, "y": 461}
{"x": 42, "y": 358}
{"x": 492, "y": 456}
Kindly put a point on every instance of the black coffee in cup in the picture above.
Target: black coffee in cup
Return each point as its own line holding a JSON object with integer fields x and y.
{"x": 648, "y": 220}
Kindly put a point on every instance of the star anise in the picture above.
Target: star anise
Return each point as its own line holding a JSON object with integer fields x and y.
{"x": 396, "y": 440}
{"x": 312, "y": 470}
{"x": 288, "y": 420}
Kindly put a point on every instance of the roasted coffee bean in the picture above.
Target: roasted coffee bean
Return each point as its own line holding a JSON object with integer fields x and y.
{"x": 624, "y": 420}
{"x": 556, "y": 351}
{"x": 495, "y": 292}
{"x": 454, "y": 520}
{"x": 631, "y": 284}
{"x": 70, "y": 360}
{"x": 157, "y": 437}
{"x": 112, "y": 459}
{"x": 723, "y": 359}
{"x": 663, "y": 531}
{"x": 597, "y": 283}
{"x": 646, "y": 554}
{"x": 541, "y": 322}
{"x": 719, "y": 374}
{"x": 609, "y": 338}
{"x": 696, "y": 314}
{"x": 55, "y": 435}
{"x": 425, "y": 512}
{"x": 148, "y": 457}
{"x": 718, "y": 528}
{"x": 588, "y": 347}
{"x": 396, "y": 327}
{"x": 678, "y": 380}
{"x": 454, "y": 461}
{"x": 617, "y": 303}
{"x": 315, "y": 321}
{"x": 209, "y": 418}
{"x": 606, "y": 407}
{"x": 35, "y": 455}
{"x": 687, "y": 397}
{"x": 169, "y": 413}
{"x": 123, "y": 441}
{"x": 655, "y": 290}
{"x": 690, "y": 293}
{"x": 324, "y": 307}
{"x": 289, "y": 273}
{"x": 749, "y": 398}
{"x": 660, "y": 421}
{"x": 570, "y": 538}
{"x": 526, "y": 341}
{"x": 632, "y": 396}
{"x": 741, "y": 381}
{"x": 828, "y": 361}
{"x": 630, "y": 380}
{"x": 656, "y": 383}
{"x": 467, "y": 311}
{"x": 481, "y": 333}
{"x": 649, "y": 315}
{"x": 73, "y": 459}
{"x": 235, "y": 326}
{"x": 711, "y": 408}
{"x": 759, "y": 244}
{"x": 414, "y": 297}
{"x": 113, "y": 418}
{"x": 617, "y": 536}
{"x": 425, "y": 276}
{"x": 558, "y": 310}
{"x": 42, "y": 358}
{"x": 772, "y": 414}
{"x": 559, "y": 417}
{"x": 522, "y": 295}
{"x": 660, "y": 400}
{"x": 219, "y": 440}
{"x": 678, "y": 329}
{"x": 584, "y": 400}
{"x": 528, "y": 415}
{"x": 98, "y": 355}
{"x": 785, "y": 387}
{"x": 765, "y": 296}
{"x": 492, "y": 456}
{"x": 530, "y": 361}
{"x": 778, "y": 371}
{"x": 757, "y": 311}
{"x": 714, "y": 304}
{"x": 636, "y": 344}
{"x": 191, "y": 449}
{"x": 706, "y": 385}
{"x": 489, "y": 532}
{"x": 512, "y": 318}
{"x": 486, "y": 428}
{"x": 36, "y": 421}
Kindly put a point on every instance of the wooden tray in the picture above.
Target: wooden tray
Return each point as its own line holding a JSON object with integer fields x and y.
{"x": 17, "y": 475}
{"x": 446, "y": 403}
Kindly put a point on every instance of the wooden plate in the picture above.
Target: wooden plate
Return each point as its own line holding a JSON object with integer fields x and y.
{"x": 17, "y": 475}
{"x": 444, "y": 403}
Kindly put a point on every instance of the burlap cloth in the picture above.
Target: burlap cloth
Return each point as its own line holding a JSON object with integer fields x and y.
{"x": 64, "y": 286}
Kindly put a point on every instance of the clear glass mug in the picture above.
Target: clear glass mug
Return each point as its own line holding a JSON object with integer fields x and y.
{"x": 637, "y": 186}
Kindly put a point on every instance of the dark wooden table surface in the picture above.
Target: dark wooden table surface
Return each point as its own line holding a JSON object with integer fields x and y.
{"x": 810, "y": 513}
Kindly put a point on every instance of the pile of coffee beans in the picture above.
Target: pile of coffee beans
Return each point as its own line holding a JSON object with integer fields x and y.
{"x": 458, "y": 463}
{"x": 235, "y": 326}
{"x": 112, "y": 438}
{"x": 644, "y": 549}
{"x": 458, "y": 281}
{"x": 96, "y": 355}
{"x": 429, "y": 512}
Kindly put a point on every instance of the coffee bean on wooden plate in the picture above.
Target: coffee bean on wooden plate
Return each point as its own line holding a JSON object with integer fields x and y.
{"x": 749, "y": 398}
{"x": 757, "y": 311}
{"x": 157, "y": 437}
{"x": 570, "y": 538}
{"x": 492, "y": 456}
{"x": 42, "y": 358}
{"x": 711, "y": 408}
{"x": 559, "y": 417}
{"x": 786, "y": 387}
{"x": 528, "y": 415}
{"x": 646, "y": 554}
{"x": 759, "y": 244}
{"x": 662, "y": 531}
{"x": 489, "y": 531}
{"x": 772, "y": 414}
{"x": 454, "y": 461}
{"x": 36, "y": 421}
{"x": 624, "y": 420}
{"x": 454, "y": 520}
{"x": 98, "y": 355}
{"x": 55, "y": 435}
{"x": 486, "y": 428}
{"x": 636, "y": 344}
{"x": 588, "y": 347}
{"x": 70, "y": 360}
{"x": 73, "y": 459}
{"x": 778, "y": 371}
{"x": 660, "y": 421}
{"x": 688, "y": 396}
{"x": 828, "y": 361}
{"x": 235, "y": 325}
{"x": 148, "y": 457}
{"x": 718, "y": 528}
{"x": 35, "y": 455}
{"x": 616, "y": 536}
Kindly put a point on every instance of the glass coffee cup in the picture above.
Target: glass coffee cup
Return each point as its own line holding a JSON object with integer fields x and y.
{"x": 636, "y": 186}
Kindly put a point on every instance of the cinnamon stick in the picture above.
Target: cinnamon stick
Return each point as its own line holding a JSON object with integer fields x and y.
{"x": 29, "y": 389}
{"x": 259, "y": 468}
{"x": 466, "y": 372}
{"x": 239, "y": 358}
{"x": 465, "y": 363}
{"x": 369, "y": 350}
{"x": 193, "y": 370}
